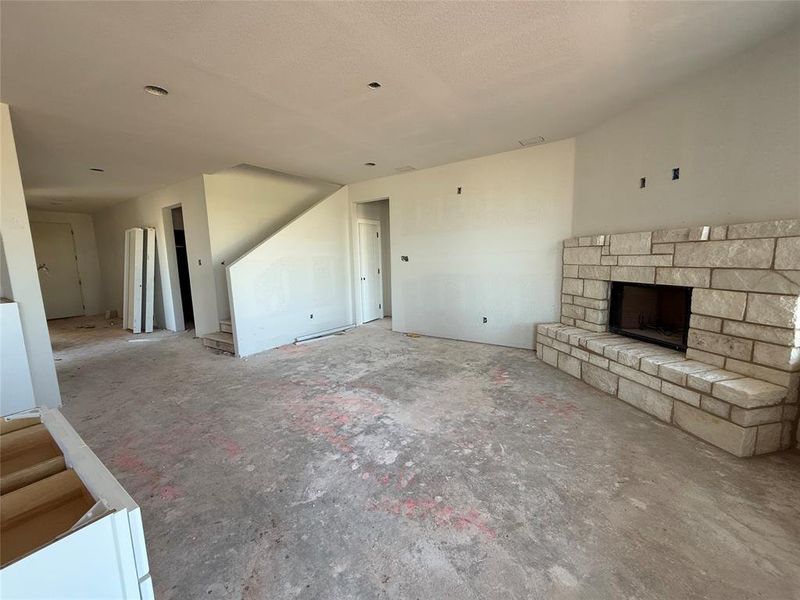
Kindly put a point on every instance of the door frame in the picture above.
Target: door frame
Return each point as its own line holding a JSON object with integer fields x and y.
{"x": 377, "y": 223}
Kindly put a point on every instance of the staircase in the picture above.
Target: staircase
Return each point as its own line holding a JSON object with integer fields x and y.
{"x": 221, "y": 340}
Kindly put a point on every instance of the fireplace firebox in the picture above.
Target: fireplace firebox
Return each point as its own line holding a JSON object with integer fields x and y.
{"x": 653, "y": 313}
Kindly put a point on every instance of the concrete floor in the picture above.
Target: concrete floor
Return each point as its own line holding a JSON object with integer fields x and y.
{"x": 376, "y": 465}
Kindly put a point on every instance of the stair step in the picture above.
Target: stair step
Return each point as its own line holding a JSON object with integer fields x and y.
{"x": 225, "y": 326}
{"x": 219, "y": 340}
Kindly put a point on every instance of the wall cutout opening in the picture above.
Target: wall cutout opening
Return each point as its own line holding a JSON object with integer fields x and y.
{"x": 642, "y": 183}
{"x": 676, "y": 173}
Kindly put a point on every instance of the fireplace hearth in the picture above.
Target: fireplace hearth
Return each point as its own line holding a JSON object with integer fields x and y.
{"x": 658, "y": 314}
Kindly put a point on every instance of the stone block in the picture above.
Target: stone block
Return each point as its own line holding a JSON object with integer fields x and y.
{"x": 610, "y": 261}
{"x": 550, "y": 356}
{"x": 591, "y": 326}
{"x": 570, "y": 310}
{"x": 649, "y": 260}
{"x": 768, "y": 438}
{"x": 718, "y": 232}
{"x": 600, "y": 379}
{"x": 564, "y": 333}
{"x": 789, "y": 412}
{"x": 719, "y": 343}
{"x": 639, "y": 377}
{"x": 631, "y": 357}
{"x": 568, "y": 320}
{"x": 689, "y": 277}
{"x": 579, "y": 354}
{"x": 595, "y": 289}
{"x": 634, "y": 274}
{"x": 598, "y": 345}
{"x": 539, "y": 350}
{"x": 705, "y": 357}
{"x": 631, "y": 243}
{"x": 596, "y": 316}
{"x": 770, "y": 309}
{"x": 719, "y": 303}
{"x": 582, "y": 256}
{"x": 748, "y": 392}
{"x": 571, "y": 243}
{"x": 572, "y": 286}
{"x": 580, "y": 339}
{"x": 765, "y": 229}
{"x": 612, "y": 351}
{"x": 699, "y": 234}
{"x": 592, "y": 240}
{"x": 591, "y": 303}
{"x": 569, "y": 270}
{"x": 569, "y": 364}
{"x": 763, "y": 333}
{"x": 584, "y": 340}
{"x": 567, "y": 299}
{"x": 599, "y": 361}
{"x": 783, "y": 358}
{"x": 594, "y": 272}
{"x": 663, "y": 248}
{"x": 649, "y": 400}
{"x": 704, "y": 380}
{"x": 651, "y": 364}
{"x": 705, "y": 323}
{"x": 715, "y": 407}
{"x": 787, "y": 253}
{"x": 732, "y": 438}
{"x": 671, "y": 235}
{"x": 757, "y": 280}
{"x": 680, "y": 393}
{"x": 781, "y": 378}
{"x": 562, "y": 346}
{"x": 756, "y": 416}
{"x": 678, "y": 372}
{"x": 746, "y": 254}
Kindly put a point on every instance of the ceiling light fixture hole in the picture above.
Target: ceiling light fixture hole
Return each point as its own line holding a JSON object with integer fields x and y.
{"x": 369, "y": 164}
{"x": 97, "y": 170}
{"x": 374, "y": 85}
{"x": 156, "y": 90}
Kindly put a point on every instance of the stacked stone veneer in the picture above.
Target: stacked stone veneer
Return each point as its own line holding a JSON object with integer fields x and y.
{"x": 737, "y": 384}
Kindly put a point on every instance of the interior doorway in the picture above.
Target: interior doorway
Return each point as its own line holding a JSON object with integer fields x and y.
{"x": 182, "y": 259}
{"x": 57, "y": 264}
{"x": 369, "y": 254}
{"x": 372, "y": 230}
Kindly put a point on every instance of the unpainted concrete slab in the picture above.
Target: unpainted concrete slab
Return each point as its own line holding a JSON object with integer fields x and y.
{"x": 376, "y": 465}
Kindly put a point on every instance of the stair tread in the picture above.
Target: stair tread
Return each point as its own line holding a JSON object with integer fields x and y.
{"x": 219, "y": 336}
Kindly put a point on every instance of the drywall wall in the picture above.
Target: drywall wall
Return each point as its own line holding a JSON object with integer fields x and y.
{"x": 734, "y": 132}
{"x": 379, "y": 211}
{"x": 246, "y": 205}
{"x": 85, "y": 251}
{"x": 494, "y": 250}
{"x": 22, "y": 277}
{"x": 302, "y": 270}
{"x": 152, "y": 210}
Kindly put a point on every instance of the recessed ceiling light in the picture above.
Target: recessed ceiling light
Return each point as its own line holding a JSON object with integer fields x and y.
{"x": 97, "y": 170}
{"x": 374, "y": 85}
{"x": 369, "y": 164}
{"x": 155, "y": 90}
{"x": 534, "y": 141}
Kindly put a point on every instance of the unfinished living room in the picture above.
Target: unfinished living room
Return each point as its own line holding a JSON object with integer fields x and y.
{"x": 409, "y": 300}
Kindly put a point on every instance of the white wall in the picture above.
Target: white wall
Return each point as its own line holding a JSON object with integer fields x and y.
{"x": 86, "y": 251}
{"x": 151, "y": 210}
{"x": 22, "y": 277}
{"x": 494, "y": 250}
{"x": 734, "y": 131}
{"x": 246, "y": 205}
{"x": 379, "y": 211}
{"x": 303, "y": 269}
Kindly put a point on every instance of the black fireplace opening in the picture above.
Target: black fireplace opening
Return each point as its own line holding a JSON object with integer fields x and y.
{"x": 653, "y": 313}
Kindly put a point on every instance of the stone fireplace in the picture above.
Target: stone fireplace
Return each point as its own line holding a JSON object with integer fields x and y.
{"x": 734, "y": 380}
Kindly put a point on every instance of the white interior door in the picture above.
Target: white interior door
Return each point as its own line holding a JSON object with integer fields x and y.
{"x": 57, "y": 263}
{"x": 369, "y": 245}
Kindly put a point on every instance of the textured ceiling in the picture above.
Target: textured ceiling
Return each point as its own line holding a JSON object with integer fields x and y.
{"x": 284, "y": 85}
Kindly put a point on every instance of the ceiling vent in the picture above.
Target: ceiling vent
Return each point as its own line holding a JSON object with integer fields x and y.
{"x": 534, "y": 141}
{"x": 406, "y": 169}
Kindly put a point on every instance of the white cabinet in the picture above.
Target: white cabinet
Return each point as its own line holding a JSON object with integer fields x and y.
{"x": 102, "y": 555}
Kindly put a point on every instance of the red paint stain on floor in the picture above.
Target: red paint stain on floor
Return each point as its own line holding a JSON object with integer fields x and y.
{"x": 438, "y": 514}
{"x": 148, "y": 477}
{"x": 500, "y": 376}
{"x": 561, "y": 408}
